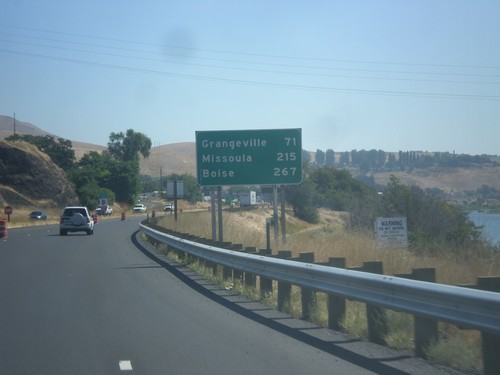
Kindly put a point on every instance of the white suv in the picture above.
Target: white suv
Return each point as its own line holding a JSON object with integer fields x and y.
{"x": 76, "y": 219}
{"x": 139, "y": 208}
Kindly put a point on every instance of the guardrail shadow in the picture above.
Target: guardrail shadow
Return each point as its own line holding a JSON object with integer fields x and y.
{"x": 305, "y": 332}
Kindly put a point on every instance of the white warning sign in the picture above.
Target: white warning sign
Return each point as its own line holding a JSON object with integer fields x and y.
{"x": 391, "y": 231}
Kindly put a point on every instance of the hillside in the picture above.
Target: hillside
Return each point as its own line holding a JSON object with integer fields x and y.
{"x": 28, "y": 177}
{"x": 450, "y": 180}
{"x": 7, "y": 125}
{"x": 7, "y": 129}
{"x": 172, "y": 158}
{"x": 181, "y": 158}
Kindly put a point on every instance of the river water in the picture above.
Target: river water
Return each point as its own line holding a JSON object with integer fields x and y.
{"x": 490, "y": 223}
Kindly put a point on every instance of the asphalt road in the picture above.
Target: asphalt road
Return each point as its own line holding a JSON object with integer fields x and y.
{"x": 103, "y": 304}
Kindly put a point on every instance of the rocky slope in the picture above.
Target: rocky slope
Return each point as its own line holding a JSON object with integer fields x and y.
{"x": 28, "y": 177}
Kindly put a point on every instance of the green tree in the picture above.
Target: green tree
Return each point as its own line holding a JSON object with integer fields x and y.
{"x": 86, "y": 186}
{"x": 148, "y": 183}
{"x": 192, "y": 190}
{"x": 124, "y": 181}
{"x": 303, "y": 200}
{"x": 60, "y": 152}
{"x": 432, "y": 222}
{"x": 116, "y": 170}
{"x": 99, "y": 165}
{"x": 336, "y": 188}
{"x": 127, "y": 147}
{"x": 125, "y": 150}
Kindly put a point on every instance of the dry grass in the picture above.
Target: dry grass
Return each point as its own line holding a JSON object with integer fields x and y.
{"x": 330, "y": 239}
{"x": 19, "y": 217}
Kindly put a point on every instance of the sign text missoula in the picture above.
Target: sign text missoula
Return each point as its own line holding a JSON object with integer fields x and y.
{"x": 249, "y": 157}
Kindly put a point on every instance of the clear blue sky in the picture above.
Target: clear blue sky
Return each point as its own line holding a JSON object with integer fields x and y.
{"x": 391, "y": 75}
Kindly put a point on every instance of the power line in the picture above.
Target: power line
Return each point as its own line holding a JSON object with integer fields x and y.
{"x": 261, "y": 83}
{"x": 270, "y": 67}
{"x": 261, "y": 70}
{"x": 273, "y": 64}
{"x": 256, "y": 54}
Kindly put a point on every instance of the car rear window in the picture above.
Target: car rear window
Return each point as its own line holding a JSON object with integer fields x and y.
{"x": 72, "y": 211}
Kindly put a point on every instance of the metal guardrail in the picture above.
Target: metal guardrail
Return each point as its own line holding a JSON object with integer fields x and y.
{"x": 464, "y": 307}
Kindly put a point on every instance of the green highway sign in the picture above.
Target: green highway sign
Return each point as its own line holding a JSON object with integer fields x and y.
{"x": 249, "y": 157}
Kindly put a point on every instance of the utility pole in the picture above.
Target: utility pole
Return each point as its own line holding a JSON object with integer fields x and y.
{"x": 14, "y": 123}
{"x": 161, "y": 184}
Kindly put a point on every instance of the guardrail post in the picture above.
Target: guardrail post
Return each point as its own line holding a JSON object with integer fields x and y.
{"x": 426, "y": 330}
{"x": 308, "y": 296}
{"x": 250, "y": 278}
{"x": 209, "y": 264}
{"x": 284, "y": 289}
{"x": 336, "y": 304}
{"x": 227, "y": 272}
{"x": 491, "y": 343}
{"x": 376, "y": 317}
{"x": 190, "y": 259}
{"x": 237, "y": 275}
{"x": 266, "y": 285}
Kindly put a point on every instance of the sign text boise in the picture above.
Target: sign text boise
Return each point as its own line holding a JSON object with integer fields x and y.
{"x": 249, "y": 157}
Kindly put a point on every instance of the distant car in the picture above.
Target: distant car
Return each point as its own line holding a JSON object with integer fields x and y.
{"x": 139, "y": 208}
{"x": 104, "y": 210}
{"x": 169, "y": 207}
{"x": 143, "y": 197}
{"x": 76, "y": 219}
{"x": 37, "y": 215}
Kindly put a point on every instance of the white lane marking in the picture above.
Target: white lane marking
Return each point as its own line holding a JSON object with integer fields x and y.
{"x": 125, "y": 365}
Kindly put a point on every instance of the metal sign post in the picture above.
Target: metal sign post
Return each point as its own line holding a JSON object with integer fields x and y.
{"x": 8, "y": 211}
{"x": 219, "y": 210}
{"x": 175, "y": 190}
{"x": 212, "y": 212}
{"x": 249, "y": 157}
{"x": 283, "y": 215}
{"x": 275, "y": 212}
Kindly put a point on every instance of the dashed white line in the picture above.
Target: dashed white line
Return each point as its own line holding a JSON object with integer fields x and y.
{"x": 125, "y": 365}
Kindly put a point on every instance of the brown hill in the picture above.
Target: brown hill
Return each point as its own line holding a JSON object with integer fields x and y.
{"x": 9, "y": 126}
{"x": 181, "y": 158}
{"x": 450, "y": 180}
{"x": 29, "y": 177}
{"x": 177, "y": 158}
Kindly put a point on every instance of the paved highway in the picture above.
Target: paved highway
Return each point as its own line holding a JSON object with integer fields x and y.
{"x": 103, "y": 304}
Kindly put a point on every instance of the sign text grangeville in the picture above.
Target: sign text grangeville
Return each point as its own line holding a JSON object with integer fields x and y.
{"x": 249, "y": 157}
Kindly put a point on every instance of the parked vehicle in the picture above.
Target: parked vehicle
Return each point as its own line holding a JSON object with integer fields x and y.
{"x": 104, "y": 210}
{"x": 37, "y": 215}
{"x": 104, "y": 207}
{"x": 169, "y": 207}
{"x": 139, "y": 208}
{"x": 76, "y": 219}
{"x": 248, "y": 199}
